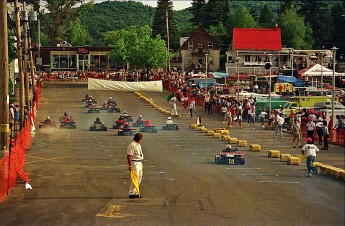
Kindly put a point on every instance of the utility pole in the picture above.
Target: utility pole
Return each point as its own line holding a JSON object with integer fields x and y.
{"x": 168, "y": 41}
{"x": 26, "y": 55}
{"x": 20, "y": 64}
{"x": 4, "y": 98}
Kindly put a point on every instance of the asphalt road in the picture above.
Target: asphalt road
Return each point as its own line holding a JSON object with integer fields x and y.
{"x": 81, "y": 177}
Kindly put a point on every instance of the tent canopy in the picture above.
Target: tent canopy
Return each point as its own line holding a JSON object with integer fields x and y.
{"x": 290, "y": 79}
{"x": 316, "y": 70}
{"x": 218, "y": 75}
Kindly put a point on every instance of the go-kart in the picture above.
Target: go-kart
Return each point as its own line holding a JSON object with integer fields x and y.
{"x": 104, "y": 106}
{"x": 139, "y": 123}
{"x": 232, "y": 157}
{"x": 93, "y": 110}
{"x": 126, "y": 132}
{"x": 47, "y": 124}
{"x": 127, "y": 118}
{"x": 64, "y": 118}
{"x": 98, "y": 126}
{"x": 170, "y": 126}
{"x": 113, "y": 108}
{"x": 149, "y": 129}
{"x": 118, "y": 124}
{"x": 68, "y": 125}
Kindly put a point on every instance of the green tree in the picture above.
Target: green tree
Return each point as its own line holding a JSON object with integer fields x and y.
{"x": 159, "y": 23}
{"x": 285, "y": 5}
{"x": 317, "y": 13}
{"x": 12, "y": 50}
{"x": 241, "y": 18}
{"x": 266, "y": 15}
{"x": 338, "y": 12}
{"x": 294, "y": 30}
{"x": 216, "y": 11}
{"x": 61, "y": 13}
{"x": 136, "y": 46}
{"x": 198, "y": 12}
{"x": 77, "y": 34}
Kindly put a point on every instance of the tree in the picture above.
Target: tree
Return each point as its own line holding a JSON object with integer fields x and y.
{"x": 136, "y": 46}
{"x": 61, "y": 13}
{"x": 159, "y": 23}
{"x": 216, "y": 11}
{"x": 12, "y": 50}
{"x": 198, "y": 12}
{"x": 241, "y": 18}
{"x": 317, "y": 14}
{"x": 77, "y": 34}
{"x": 286, "y": 4}
{"x": 266, "y": 15}
{"x": 294, "y": 31}
{"x": 338, "y": 12}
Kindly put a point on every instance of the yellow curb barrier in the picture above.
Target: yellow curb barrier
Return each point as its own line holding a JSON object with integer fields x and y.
{"x": 217, "y": 135}
{"x": 209, "y": 133}
{"x": 242, "y": 143}
{"x": 293, "y": 161}
{"x": 284, "y": 157}
{"x": 273, "y": 154}
{"x": 233, "y": 140}
{"x": 255, "y": 147}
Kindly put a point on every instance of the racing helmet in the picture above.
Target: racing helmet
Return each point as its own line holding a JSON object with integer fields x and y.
{"x": 125, "y": 112}
{"x": 140, "y": 116}
{"x": 169, "y": 118}
{"x": 309, "y": 140}
{"x": 228, "y": 146}
{"x": 48, "y": 117}
{"x": 110, "y": 98}
{"x": 126, "y": 124}
{"x": 147, "y": 121}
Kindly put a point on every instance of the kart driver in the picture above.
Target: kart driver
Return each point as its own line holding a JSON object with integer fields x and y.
{"x": 169, "y": 121}
{"x": 120, "y": 120}
{"x": 148, "y": 123}
{"x": 125, "y": 114}
{"x": 48, "y": 121}
{"x": 126, "y": 126}
{"x": 140, "y": 119}
{"x": 98, "y": 120}
{"x": 228, "y": 148}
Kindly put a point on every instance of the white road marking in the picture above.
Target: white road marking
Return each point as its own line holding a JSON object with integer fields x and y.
{"x": 258, "y": 174}
{"x": 244, "y": 168}
{"x": 282, "y": 182}
{"x": 148, "y": 178}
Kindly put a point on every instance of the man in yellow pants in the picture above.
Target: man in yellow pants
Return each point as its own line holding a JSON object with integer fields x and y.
{"x": 134, "y": 158}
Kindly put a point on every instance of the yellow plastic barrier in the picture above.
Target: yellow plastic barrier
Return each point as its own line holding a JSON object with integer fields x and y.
{"x": 225, "y": 137}
{"x": 273, "y": 154}
{"x": 217, "y": 135}
{"x": 284, "y": 157}
{"x": 224, "y": 132}
{"x": 233, "y": 140}
{"x": 203, "y": 130}
{"x": 209, "y": 133}
{"x": 242, "y": 143}
{"x": 294, "y": 161}
{"x": 198, "y": 128}
{"x": 193, "y": 126}
{"x": 255, "y": 147}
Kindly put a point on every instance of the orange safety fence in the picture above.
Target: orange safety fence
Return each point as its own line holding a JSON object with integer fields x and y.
{"x": 12, "y": 164}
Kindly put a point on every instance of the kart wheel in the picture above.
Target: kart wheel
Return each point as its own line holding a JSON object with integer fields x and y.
{"x": 105, "y": 129}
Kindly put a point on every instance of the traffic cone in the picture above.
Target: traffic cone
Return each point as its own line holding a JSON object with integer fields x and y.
{"x": 198, "y": 121}
{"x": 333, "y": 136}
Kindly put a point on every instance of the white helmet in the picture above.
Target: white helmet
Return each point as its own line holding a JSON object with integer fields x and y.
{"x": 140, "y": 116}
{"x": 228, "y": 146}
{"x": 110, "y": 98}
{"x": 169, "y": 118}
{"x": 125, "y": 112}
{"x": 48, "y": 117}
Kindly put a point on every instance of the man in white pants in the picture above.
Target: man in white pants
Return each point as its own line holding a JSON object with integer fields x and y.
{"x": 135, "y": 157}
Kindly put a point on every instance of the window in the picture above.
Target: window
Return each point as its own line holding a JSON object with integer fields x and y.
{"x": 210, "y": 59}
{"x": 229, "y": 58}
{"x": 210, "y": 45}
{"x": 190, "y": 45}
{"x": 199, "y": 45}
{"x": 246, "y": 58}
{"x": 59, "y": 61}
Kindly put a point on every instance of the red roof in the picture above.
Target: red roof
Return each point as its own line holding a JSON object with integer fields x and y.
{"x": 257, "y": 39}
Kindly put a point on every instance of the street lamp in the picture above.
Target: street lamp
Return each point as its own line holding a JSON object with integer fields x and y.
{"x": 182, "y": 59}
{"x": 269, "y": 84}
{"x": 206, "y": 56}
{"x": 238, "y": 78}
{"x": 334, "y": 51}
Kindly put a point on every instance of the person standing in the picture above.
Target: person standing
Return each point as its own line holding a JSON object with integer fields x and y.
{"x": 296, "y": 132}
{"x": 279, "y": 127}
{"x": 224, "y": 109}
{"x": 319, "y": 129}
{"x": 135, "y": 157}
{"x": 310, "y": 151}
{"x": 206, "y": 100}
{"x": 191, "y": 107}
{"x": 325, "y": 136}
{"x": 310, "y": 129}
{"x": 173, "y": 103}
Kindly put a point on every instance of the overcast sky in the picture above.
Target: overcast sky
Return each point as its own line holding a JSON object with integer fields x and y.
{"x": 178, "y": 4}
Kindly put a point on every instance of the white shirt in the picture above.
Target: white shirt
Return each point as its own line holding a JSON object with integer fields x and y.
{"x": 310, "y": 149}
{"x": 310, "y": 126}
{"x": 280, "y": 120}
{"x": 134, "y": 149}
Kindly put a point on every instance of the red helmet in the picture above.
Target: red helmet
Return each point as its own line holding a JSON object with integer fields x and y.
{"x": 309, "y": 140}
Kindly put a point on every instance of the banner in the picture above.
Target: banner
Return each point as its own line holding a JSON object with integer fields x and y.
{"x": 99, "y": 84}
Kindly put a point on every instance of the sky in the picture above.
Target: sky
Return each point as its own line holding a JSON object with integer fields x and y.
{"x": 178, "y": 4}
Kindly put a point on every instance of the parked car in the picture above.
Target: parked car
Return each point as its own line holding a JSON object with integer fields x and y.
{"x": 328, "y": 105}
